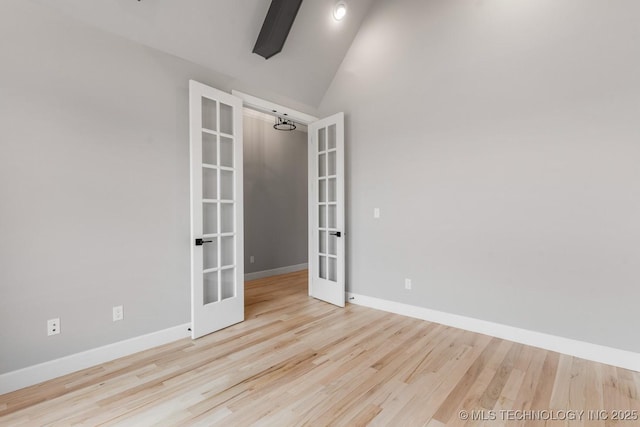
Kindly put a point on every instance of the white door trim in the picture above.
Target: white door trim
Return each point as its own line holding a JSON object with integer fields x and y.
{"x": 269, "y": 107}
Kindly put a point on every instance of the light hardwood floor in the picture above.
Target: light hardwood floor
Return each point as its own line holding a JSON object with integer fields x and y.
{"x": 298, "y": 361}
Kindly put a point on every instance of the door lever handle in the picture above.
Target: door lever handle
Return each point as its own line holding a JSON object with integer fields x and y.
{"x": 335, "y": 233}
{"x": 200, "y": 242}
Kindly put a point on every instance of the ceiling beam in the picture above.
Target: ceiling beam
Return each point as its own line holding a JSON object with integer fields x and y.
{"x": 276, "y": 27}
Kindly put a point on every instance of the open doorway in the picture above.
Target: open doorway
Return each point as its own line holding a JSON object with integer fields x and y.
{"x": 275, "y": 197}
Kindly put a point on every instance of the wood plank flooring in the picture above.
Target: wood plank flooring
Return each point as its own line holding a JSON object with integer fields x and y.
{"x": 298, "y": 361}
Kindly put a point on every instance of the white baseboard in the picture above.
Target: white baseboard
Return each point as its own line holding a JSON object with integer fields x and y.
{"x": 597, "y": 353}
{"x": 275, "y": 271}
{"x": 35, "y": 374}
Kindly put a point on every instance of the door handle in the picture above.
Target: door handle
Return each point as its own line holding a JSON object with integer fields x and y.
{"x": 335, "y": 233}
{"x": 200, "y": 242}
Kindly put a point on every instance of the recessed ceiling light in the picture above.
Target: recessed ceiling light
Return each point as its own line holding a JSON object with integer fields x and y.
{"x": 340, "y": 10}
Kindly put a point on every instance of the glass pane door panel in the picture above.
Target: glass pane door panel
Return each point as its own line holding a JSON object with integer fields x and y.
{"x": 333, "y": 245}
{"x": 209, "y": 218}
{"x": 322, "y": 217}
{"x": 209, "y": 116}
{"x": 209, "y": 183}
{"x": 332, "y": 189}
{"x": 322, "y": 142}
{"x": 226, "y": 218}
{"x": 226, "y": 152}
{"x": 210, "y": 287}
{"x": 333, "y": 269}
{"x": 210, "y": 253}
{"x": 322, "y": 165}
{"x": 227, "y": 248}
{"x": 322, "y": 239}
{"x": 322, "y": 190}
{"x": 209, "y": 149}
{"x": 333, "y": 215}
{"x": 226, "y": 119}
{"x": 227, "y": 283}
{"x": 323, "y": 267}
{"x": 331, "y": 140}
{"x": 226, "y": 185}
{"x": 331, "y": 168}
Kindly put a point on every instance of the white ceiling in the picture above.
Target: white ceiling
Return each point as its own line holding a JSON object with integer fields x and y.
{"x": 220, "y": 35}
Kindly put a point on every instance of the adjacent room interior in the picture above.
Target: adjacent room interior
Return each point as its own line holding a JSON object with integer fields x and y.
{"x": 448, "y": 237}
{"x": 275, "y": 196}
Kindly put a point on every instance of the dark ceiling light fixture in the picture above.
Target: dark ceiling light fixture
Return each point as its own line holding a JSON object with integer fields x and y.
{"x": 284, "y": 124}
{"x": 276, "y": 27}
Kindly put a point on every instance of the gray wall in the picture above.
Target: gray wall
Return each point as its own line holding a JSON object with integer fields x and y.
{"x": 501, "y": 142}
{"x": 94, "y": 185}
{"x": 275, "y": 196}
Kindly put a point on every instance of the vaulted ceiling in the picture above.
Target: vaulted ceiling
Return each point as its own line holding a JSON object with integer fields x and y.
{"x": 220, "y": 35}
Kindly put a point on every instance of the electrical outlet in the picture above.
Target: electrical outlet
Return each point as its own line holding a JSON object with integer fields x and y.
{"x": 118, "y": 313}
{"x": 53, "y": 327}
{"x": 376, "y": 213}
{"x": 252, "y": 259}
{"x": 407, "y": 284}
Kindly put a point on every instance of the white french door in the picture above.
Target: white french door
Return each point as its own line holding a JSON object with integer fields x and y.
{"x": 217, "y": 260}
{"x": 326, "y": 210}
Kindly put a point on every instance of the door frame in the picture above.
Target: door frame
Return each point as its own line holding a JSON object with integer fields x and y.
{"x": 255, "y": 103}
{"x": 271, "y": 108}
